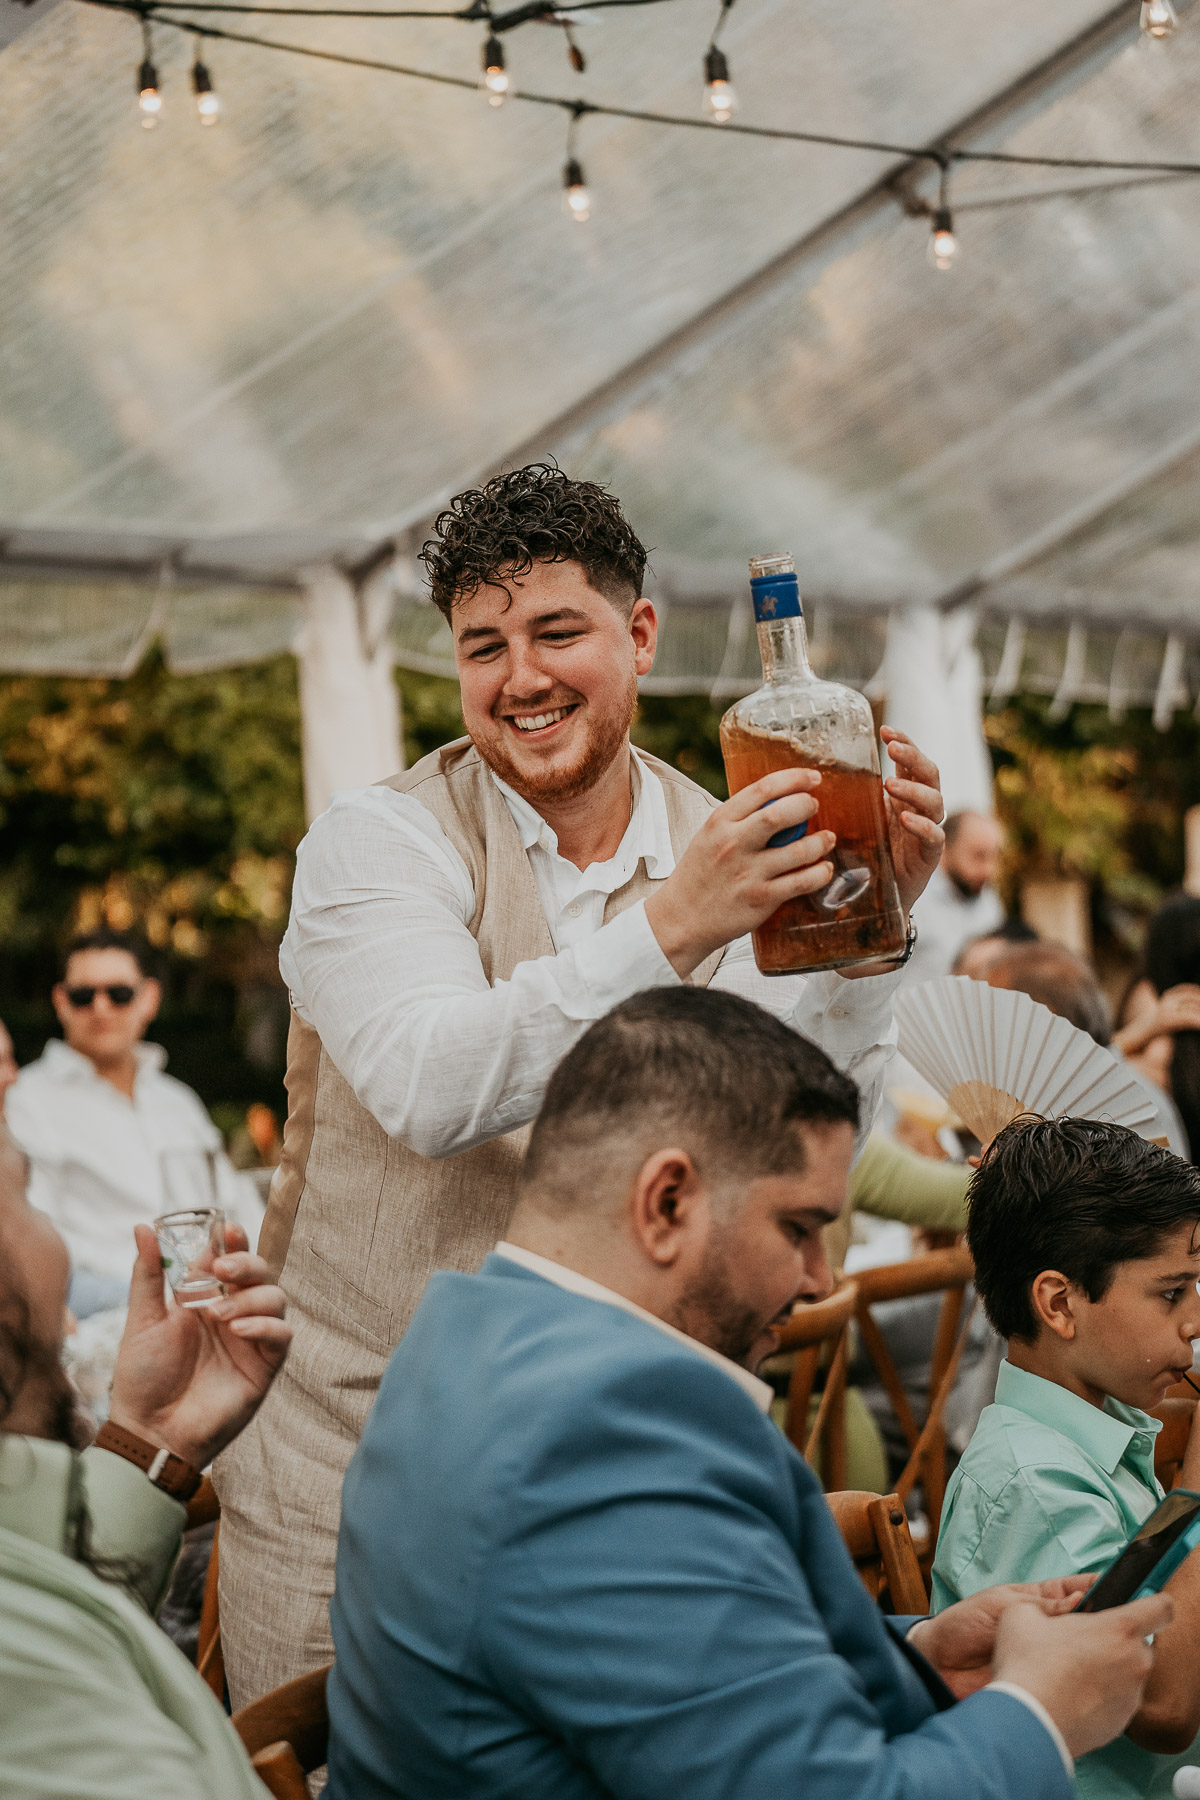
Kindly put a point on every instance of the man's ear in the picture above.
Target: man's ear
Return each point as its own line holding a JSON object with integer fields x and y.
{"x": 58, "y": 997}
{"x": 664, "y": 1202}
{"x": 643, "y": 629}
{"x": 1052, "y": 1297}
{"x": 151, "y": 997}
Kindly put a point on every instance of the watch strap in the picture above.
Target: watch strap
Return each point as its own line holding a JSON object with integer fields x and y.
{"x": 166, "y": 1470}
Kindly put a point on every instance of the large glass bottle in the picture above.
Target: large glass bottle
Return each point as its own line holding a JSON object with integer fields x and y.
{"x": 796, "y": 721}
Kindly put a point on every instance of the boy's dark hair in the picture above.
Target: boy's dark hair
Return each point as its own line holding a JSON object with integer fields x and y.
{"x": 105, "y": 939}
{"x": 535, "y": 514}
{"x": 706, "y": 1070}
{"x": 1074, "y": 1195}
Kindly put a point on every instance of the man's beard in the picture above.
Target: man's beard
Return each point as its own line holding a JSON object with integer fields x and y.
{"x": 711, "y": 1312}
{"x": 607, "y": 734}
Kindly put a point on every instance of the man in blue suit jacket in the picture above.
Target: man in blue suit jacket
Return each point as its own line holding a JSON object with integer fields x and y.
{"x": 578, "y": 1562}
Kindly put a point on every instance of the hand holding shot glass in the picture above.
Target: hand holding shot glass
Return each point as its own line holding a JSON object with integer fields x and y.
{"x": 191, "y": 1234}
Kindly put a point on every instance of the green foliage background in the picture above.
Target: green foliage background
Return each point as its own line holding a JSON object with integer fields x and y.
{"x": 174, "y": 803}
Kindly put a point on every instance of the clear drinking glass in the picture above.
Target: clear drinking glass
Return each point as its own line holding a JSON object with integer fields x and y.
{"x": 190, "y": 1243}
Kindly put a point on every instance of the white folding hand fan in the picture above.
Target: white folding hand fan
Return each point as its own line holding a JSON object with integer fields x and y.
{"x": 994, "y": 1055}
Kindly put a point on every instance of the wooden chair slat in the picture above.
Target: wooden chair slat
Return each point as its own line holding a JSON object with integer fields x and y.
{"x": 295, "y": 1713}
{"x": 210, "y": 1657}
{"x": 203, "y": 1507}
{"x": 279, "y": 1771}
{"x": 875, "y": 1532}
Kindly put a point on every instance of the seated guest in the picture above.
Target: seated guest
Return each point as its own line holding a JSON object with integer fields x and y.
{"x": 97, "y": 1702}
{"x": 1067, "y": 985}
{"x": 576, "y": 1560}
{"x": 98, "y": 1117}
{"x": 960, "y": 902}
{"x": 1086, "y": 1257}
{"x": 1160, "y": 1022}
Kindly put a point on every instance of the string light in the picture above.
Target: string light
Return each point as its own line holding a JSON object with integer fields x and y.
{"x": 575, "y": 56}
{"x": 577, "y": 202}
{"x": 718, "y": 91}
{"x": 943, "y": 245}
{"x": 719, "y": 98}
{"x": 495, "y": 75}
{"x": 1158, "y": 18}
{"x": 149, "y": 98}
{"x": 208, "y": 101}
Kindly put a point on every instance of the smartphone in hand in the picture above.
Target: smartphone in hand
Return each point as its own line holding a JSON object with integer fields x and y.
{"x": 1151, "y": 1556}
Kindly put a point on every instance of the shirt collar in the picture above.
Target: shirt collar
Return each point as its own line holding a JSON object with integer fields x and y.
{"x": 70, "y": 1064}
{"x": 1105, "y": 1434}
{"x": 41, "y": 1489}
{"x": 647, "y": 836}
{"x": 575, "y": 1283}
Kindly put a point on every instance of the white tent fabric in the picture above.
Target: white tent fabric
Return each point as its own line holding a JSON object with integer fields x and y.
{"x": 234, "y": 356}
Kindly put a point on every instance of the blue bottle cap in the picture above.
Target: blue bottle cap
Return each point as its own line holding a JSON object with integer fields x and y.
{"x": 775, "y": 597}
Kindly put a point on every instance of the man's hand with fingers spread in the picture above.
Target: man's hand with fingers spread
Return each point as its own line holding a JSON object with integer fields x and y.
{"x": 189, "y": 1379}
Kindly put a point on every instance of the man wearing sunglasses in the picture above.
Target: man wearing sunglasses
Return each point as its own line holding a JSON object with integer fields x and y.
{"x": 96, "y": 1113}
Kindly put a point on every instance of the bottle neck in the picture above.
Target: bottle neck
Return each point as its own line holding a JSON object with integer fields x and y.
{"x": 783, "y": 646}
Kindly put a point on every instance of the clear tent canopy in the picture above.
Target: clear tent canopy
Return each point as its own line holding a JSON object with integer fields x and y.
{"x": 239, "y": 363}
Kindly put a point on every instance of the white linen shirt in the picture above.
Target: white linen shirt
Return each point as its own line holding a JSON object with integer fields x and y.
{"x": 947, "y": 920}
{"x": 379, "y": 960}
{"x": 94, "y": 1153}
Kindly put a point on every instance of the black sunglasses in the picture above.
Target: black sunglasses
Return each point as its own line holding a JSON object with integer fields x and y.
{"x": 119, "y": 993}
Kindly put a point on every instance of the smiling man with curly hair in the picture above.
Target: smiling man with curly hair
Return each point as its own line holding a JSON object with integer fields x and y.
{"x": 454, "y": 931}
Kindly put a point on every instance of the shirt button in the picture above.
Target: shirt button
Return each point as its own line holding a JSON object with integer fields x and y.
{"x": 837, "y": 1012}
{"x": 574, "y": 910}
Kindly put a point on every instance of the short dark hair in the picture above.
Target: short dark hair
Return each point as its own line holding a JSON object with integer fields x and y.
{"x": 105, "y": 939}
{"x": 709, "y": 1069}
{"x": 535, "y": 514}
{"x": 1076, "y": 1195}
{"x": 1060, "y": 980}
{"x": 953, "y": 823}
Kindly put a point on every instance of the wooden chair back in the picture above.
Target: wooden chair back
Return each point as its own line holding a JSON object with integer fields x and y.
{"x": 203, "y": 1509}
{"x": 286, "y": 1734}
{"x": 819, "y": 1330}
{"x": 940, "y": 1271}
{"x": 875, "y": 1532}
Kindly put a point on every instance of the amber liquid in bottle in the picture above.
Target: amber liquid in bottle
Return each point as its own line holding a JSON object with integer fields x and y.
{"x": 796, "y": 721}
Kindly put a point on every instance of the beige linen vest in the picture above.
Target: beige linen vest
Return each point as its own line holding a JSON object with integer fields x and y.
{"x": 355, "y": 1226}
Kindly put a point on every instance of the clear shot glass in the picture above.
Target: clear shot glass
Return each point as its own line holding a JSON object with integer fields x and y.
{"x": 190, "y": 1243}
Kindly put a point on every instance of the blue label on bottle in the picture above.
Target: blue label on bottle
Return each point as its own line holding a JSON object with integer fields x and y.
{"x": 775, "y": 597}
{"x": 791, "y": 835}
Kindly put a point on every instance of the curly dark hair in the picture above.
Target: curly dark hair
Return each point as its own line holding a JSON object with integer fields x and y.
{"x": 535, "y": 514}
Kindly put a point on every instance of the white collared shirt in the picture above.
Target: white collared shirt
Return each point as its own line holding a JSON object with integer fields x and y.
{"x": 95, "y": 1154}
{"x": 575, "y": 1283}
{"x": 379, "y": 960}
{"x": 947, "y": 920}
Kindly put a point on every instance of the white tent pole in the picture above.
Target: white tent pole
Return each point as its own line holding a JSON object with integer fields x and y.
{"x": 934, "y": 685}
{"x": 349, "y": 707}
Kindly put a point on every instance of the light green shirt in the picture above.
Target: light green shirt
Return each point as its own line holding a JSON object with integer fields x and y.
{"x": 95, "y": 1701}
{"x": 1051, "y": 1485}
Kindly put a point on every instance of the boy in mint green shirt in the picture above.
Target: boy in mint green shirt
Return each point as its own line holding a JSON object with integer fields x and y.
{"x": 1086, "y": 1242}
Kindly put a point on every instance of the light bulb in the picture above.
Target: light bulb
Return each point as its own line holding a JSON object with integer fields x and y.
{"x": 1158, "y": 18}
{"x": 208, "y": 101}
{"x": 495, "y": 76}
{"x": 149, "y": 98}
{"x": 719, "y": 96}
{"x": 576, "y": 199}
{"x": 943, "y": 245}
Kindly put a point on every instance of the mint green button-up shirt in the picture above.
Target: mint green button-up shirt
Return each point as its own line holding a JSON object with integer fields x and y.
{"x": 96, "y": 1703}
{"x": 1051, "y": 1485}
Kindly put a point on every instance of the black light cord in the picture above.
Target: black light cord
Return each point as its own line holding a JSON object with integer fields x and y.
{"x": 942, "y": 155}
